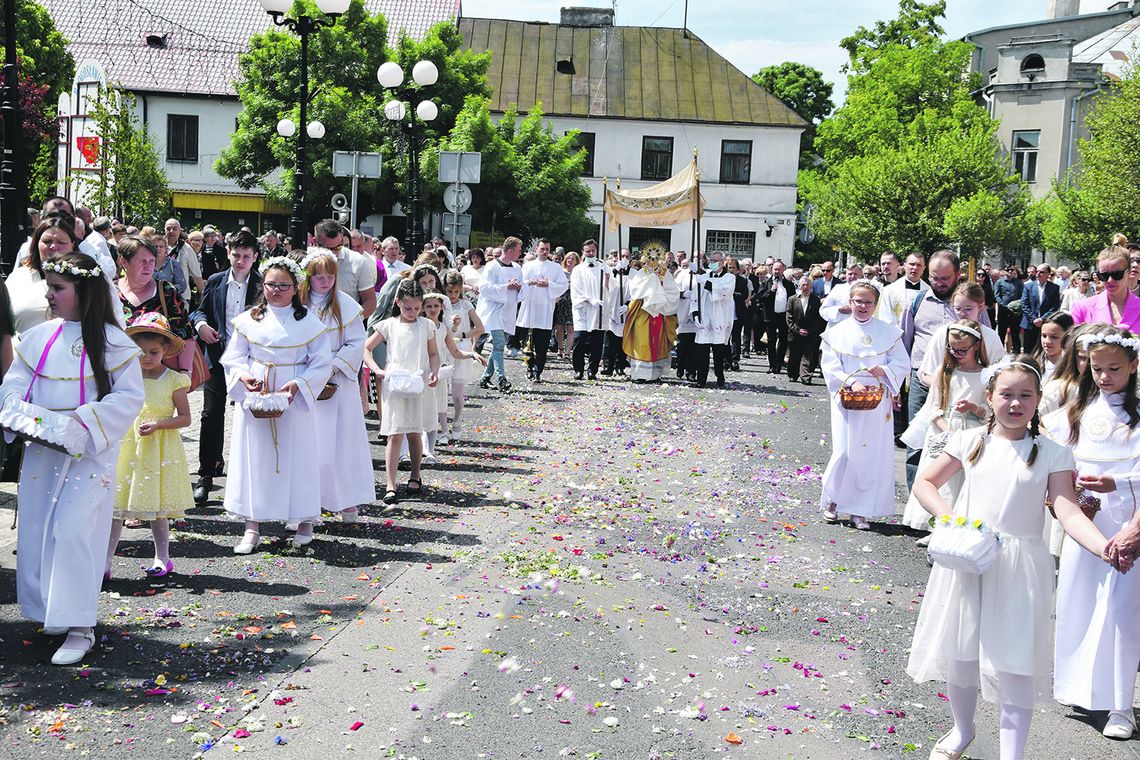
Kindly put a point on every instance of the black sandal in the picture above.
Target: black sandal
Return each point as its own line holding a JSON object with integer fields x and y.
{"x": 390, "y": 497}
{"x": 419, "y": 486}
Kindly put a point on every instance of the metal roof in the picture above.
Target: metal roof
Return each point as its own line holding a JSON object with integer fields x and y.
{"x": 630, "y": 72}
{"x": 1111, "y": 48}
{"x": 203, "y": 38}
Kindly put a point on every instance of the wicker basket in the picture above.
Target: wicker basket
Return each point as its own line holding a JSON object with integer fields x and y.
{"x": 327, "y": 392}
{"x": 1086, "y": 500}
{"x": 266, "y": 414}
{"x": 861, "y": 401}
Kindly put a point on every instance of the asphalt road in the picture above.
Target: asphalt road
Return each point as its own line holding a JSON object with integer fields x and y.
{"x": 598, "y": 571}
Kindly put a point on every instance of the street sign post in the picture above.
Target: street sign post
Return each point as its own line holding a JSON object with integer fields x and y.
{"x": 458, "y": 168}
{"x": 457, "y": 228}
{"x": 357, "y": 165}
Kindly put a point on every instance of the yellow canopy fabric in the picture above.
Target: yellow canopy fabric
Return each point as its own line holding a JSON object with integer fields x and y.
{"x": 664, "y": 204}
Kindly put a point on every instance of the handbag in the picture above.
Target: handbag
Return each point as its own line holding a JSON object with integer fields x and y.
{"x": 404, "y": 383}
{"x": 191, "y": 358}
{"x": 960, "y": 543}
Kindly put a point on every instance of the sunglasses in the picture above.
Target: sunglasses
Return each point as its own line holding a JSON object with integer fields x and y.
{"x": 1117, "y": 275}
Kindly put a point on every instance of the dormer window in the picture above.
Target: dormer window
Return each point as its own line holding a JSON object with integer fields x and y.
{"x": 1032, "y": 65}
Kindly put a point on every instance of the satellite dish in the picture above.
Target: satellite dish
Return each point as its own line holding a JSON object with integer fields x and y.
{"x": 339, "y": 202}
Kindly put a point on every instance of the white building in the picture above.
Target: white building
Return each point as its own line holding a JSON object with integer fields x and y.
{"x": 644, "y": 98}
{"x": 180, "y": 60}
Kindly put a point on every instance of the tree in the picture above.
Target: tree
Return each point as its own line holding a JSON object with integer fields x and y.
{"x": 802, "y": 89}
{"x": 977, "y": 222}
{"x": 916, "y": 25}
{"x": 131, "y": 185}
{"x": 345, "y": 97}
{"x": 46, "y": 71}
{"x": 1101, "y": 195}
{"x": 531, "y": 180}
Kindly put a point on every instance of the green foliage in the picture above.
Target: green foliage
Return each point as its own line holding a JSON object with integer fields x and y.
{"x": 916, "y": 25}
{"x": 345, "y": 97}
{"x": 802, "y": 89}
{"x": 1101, "y": 195}
{"x": 976, "y": 222}
{"x": 41, "y": 173}
{"x": 531, "y": 179}
{"x": 132, "y": 186}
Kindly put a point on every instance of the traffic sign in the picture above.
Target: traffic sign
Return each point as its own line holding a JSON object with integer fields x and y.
{"x": 457, "y": 166}
{"x": 457, "y": 198}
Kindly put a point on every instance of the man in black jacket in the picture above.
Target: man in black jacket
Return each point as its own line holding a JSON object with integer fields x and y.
{"x": 227, "y": 294}
{"x": 775, "y": 297}
{"x": 805, "y": 327}
{"x": 214, "y": 256}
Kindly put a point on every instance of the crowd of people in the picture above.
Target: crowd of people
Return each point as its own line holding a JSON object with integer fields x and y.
{"x": 1015, "y": 400}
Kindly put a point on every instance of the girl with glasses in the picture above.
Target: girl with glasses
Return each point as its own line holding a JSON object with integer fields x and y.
{"x": 1117, "y": 305}
{"x": 956, "y": 402}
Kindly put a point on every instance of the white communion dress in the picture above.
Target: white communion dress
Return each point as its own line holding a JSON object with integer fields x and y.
{"x": 1098, "y": 609}
{"x": 999, "y": 619}
{"x": 274, "y": 472}
{"x": 407, "y": 352}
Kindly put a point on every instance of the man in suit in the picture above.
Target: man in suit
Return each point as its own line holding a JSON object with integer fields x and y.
{"x": 822, "y": 287}
{"x": 804, "y": 329}
{"x": 227, "y": 294}
{"x": 774, "y": 302}
{"x": 1039, "y": 300}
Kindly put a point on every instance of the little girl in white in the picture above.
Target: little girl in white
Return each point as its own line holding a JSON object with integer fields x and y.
{"x": 466, "y": 334}
{"x": 347, "y": 480}
{"x": 992, "y": 630}
{"x": 153, "y": 481}
{"x": 956, "y": 402}
{"x": 450, "y": 356}
{"x": 411, "y": 370}
{"x": 1098, "y": 611}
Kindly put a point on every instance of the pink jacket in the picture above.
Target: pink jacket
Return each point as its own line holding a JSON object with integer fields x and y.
{"x": 1096, "y": 309}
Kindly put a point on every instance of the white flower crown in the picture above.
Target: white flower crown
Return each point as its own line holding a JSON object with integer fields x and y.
{"x": 60, "y": 267}
{"x": 314, "y": 254}
{"x": 992, "y": 371}
{"x": 1130, "y": 344}
{"x": 283, "y": 261}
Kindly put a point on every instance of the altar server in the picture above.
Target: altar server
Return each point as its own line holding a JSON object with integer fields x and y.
{"x": 277, "y": 346}
{"x": 546, "y": 282}
{"x": 499, "y": 296}
{"x": 860, "y": 353}
{"x": 714, "y": 311}
{"x": 82, "y": 364}
{"x": 588, "y": 297}
{"x": 346, "y": 475}
{"x": 688, "y": 281}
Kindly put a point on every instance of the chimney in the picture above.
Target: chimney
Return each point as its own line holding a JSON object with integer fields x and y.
{"x": 1064, "y": 8}
{"x": 587, "y": 17}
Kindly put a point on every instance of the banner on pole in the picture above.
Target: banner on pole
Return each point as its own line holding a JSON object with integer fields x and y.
{"x": 664, "y": 204}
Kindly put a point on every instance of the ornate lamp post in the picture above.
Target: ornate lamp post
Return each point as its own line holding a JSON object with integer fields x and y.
{"x": 398, "y": 109}
{"x": 13, "y": 163}
{"x": 302, "y": 26}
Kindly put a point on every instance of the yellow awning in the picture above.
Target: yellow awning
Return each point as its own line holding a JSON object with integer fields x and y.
{"x": 227, "y": 202}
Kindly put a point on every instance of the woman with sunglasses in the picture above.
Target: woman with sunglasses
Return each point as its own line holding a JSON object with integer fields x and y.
{"x": 1117, "y": 305}
{"x": 1080, "y": 288}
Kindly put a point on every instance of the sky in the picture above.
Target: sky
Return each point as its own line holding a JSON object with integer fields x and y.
{"x": 757, "y": 33}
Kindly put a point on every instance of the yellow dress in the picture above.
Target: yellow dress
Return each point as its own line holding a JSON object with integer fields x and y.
{"x": 152, "y": 479}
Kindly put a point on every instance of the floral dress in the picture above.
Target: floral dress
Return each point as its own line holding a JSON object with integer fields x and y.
{"x": 166, "y": 302}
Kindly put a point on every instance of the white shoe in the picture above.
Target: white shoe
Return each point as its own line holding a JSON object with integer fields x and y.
{"x": 350, "y": 515}
{"x": 1120, "y": 725}
{"x": 69, "y": 656}
{"x": 860, "y": 523}
{"x": 924, "y": 541}
{"x": 300, "y": 539}
{"x": 56, "y": 630}
{"x": 405, "y": 459}
{"x": 830, "y": 514}
{"x": 248, "y": 543}
{"x": 429, "y": 458}
{"x": 443, "y": 440}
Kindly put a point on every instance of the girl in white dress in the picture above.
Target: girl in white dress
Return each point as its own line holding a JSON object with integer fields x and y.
{"x": 1052, "y": 342}
{"x": 449, "y": 357}
{"x": 956, "y": 402}
{"x": 992, "y": 630}
{"x": 89, "y": 370}
{"x": 467, "y": 333}
{"x": 347, "y": 478}
{"x": 1098, "y": 611}
{"x": 412, "y": 362}
{"x": 858, "y": 352}
{"x": 277, "y": 346}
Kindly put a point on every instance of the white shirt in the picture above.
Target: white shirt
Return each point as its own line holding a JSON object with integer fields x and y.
{"x": 235, "y": 299}
{"x": 395, "y": 267}
{"x": 355, "y": 272}
{"x": 498, "y": 304}
{"x": 780, "y": 305}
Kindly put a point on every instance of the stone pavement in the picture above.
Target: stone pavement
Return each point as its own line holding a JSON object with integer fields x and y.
{"x": 598, "y": 571}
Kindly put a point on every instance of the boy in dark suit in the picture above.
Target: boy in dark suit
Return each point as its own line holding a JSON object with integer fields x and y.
{"x": 805, "y": 327}
{"x": 227, "y": 294}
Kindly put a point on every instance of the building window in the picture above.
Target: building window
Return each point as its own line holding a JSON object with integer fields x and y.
{"x": 1025, "y": 146}
{"x": 1032, "y": 65}
{"x": 656, "y": 157}
{"x": 585, "y": 141}
{"x": 735, "y": 162}
{"x": 182, "y": 138}
{"x": 739, "y": 244}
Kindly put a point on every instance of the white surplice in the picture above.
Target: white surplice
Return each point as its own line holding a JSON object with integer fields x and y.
{"x": 537, "y": 308}
{"x": 274, "y": 474}
{"x": 713, "y": 308}
{"x": 659, "y": 297}
{"x": 588, "y": 296}
{"x": 1098, "y": 609}
{"x": 347, "y": 478}
{"x": 687, "y": 284}
{"x": 860, "y": 477}
{"x": 617, "y": 299}
{"x": 63, "y": 545}
{"x": 498, "y": 304}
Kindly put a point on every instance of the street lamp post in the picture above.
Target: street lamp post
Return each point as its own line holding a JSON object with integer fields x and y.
{"x": 397, "y": 109}
{"x": 302, "y": 26}
{"x": 13, "y": 164}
